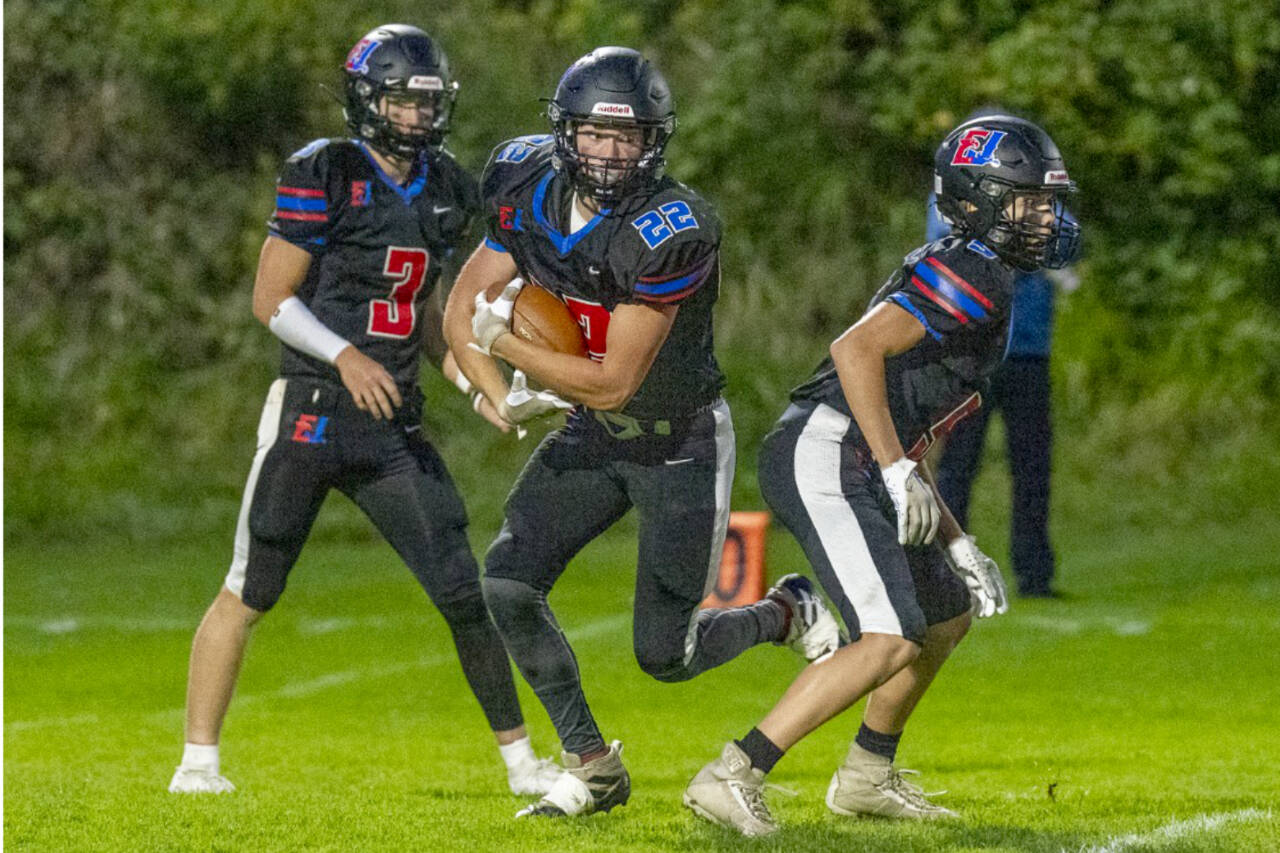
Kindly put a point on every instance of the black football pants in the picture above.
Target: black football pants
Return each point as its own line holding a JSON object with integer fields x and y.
{"x": 579, "y": 481}
{"x": 311, "y": 439}
{"x": 822, "y": 484}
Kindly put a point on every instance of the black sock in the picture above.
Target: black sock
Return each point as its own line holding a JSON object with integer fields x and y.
{"x": 763, "y": 752}
{"x": 878, "y": 742}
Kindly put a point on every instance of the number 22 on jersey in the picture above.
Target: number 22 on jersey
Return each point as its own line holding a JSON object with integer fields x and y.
{"x": 395, "y": 316}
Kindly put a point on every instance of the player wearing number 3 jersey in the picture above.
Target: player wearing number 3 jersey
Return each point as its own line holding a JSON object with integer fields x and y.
{"x": 347, "y": 279}
{"x": 587, "y": 214}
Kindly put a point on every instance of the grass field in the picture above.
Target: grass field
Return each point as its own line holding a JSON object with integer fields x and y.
{"x": 1138, "y": 714}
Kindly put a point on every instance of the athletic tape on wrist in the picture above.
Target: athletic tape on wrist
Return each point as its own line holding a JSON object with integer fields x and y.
{"x": 293, "y": 323}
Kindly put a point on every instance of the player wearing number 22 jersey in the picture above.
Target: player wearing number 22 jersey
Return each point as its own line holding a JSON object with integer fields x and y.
{"x": 587, "y": 214}
{"x": 662, "y": 249}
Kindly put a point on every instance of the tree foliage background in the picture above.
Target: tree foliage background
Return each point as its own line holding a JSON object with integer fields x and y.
{"x": 141, "y": 139}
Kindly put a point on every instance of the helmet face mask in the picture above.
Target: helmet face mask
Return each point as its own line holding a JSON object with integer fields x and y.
{"x": 391, "y": 68}
{"x": 612, "y": 93}
{"x": 1001, "y": 179}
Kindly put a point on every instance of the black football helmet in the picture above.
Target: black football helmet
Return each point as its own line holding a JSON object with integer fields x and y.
{"x": 982, "y": 167}
{"x": 617, "y": 87}
{"x": 397, "y": 60}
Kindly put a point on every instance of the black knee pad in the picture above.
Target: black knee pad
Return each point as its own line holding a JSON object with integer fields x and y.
{"x": 510, "y": 601}
{"x": 662, "y": 661}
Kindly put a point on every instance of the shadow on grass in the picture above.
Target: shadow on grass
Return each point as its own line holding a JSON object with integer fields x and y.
{"x": 884, "y": 836}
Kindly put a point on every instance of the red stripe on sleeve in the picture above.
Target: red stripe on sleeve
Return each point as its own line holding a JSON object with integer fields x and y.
{"x": 936, "y": 297}
{"x": 960, "y": 282}
{"x": 300, "y": 192}
{"x": 303, "y": 217}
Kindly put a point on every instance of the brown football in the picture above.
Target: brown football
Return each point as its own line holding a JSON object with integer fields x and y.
{"x": 543, "y": 320}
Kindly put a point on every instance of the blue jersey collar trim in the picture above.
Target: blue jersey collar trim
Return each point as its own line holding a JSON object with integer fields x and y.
{"x": 407, "y": 194}
{"x": 564, "y": 243}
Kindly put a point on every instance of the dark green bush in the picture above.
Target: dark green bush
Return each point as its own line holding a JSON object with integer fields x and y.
{"x": 141, "y": 139}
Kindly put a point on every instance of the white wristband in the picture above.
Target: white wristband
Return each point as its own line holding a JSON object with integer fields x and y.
{"x": 463, "y": 383}
{"x": 293, "y": 323}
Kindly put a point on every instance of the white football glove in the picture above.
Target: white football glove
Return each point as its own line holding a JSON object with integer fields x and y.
{"x": 522, "y": 403}
{"x": 981, "y": 574}
{"x": 918, "y": 513}
{"x": 492, "y": 319}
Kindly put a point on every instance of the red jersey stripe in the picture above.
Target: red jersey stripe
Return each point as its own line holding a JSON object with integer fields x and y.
{"x": 936, "y": 297}
{"x": 960, "y": 282}
{"x": 300, "y": 192}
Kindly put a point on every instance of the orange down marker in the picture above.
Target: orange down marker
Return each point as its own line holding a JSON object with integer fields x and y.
{"x": 741, "y": 579}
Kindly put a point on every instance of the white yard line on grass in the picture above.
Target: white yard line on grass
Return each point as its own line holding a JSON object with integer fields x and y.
{"x": 1178, "y": 830}
{"x": 295, "y": 689}
{"x": 1121, "y": 627}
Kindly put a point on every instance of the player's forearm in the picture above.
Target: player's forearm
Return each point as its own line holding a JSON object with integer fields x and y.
{"x": 480, "y": 369}
{"x": 576, "y": 379}
{"x": 434, "y": 346}
{"x": 861, "y": 372}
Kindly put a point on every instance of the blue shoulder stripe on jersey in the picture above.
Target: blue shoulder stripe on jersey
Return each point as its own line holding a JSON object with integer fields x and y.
{"x": 564, "y": 243}
{"x": 660, "y": 288}
{"x": 491, "y": 243}
{"x": 944, "y": 286}
{"x": 902, "y": 300}
{"x": 407, "y": 194}
{"x": 285, "y": 202}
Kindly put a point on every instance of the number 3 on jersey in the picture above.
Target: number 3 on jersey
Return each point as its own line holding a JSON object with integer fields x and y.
{"x": 396, "y": 316}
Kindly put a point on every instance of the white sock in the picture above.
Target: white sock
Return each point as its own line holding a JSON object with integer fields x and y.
{"x": 517, "y": 752}
{"x": 201, "y": 756}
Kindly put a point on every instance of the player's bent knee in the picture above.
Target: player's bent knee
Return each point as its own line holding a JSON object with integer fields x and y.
{"x": 510, "y": 601}
{"x": 228, "y": 605}
{"x": 662, "y": 663}
{"x": 891, "y": 653}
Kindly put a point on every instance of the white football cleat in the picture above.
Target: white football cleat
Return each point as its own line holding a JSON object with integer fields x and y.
{"x": 533, "y": 778}
{"x": 199, "y": 780}
{"x": 597, "y": 786}
{"x": 730, "y": 792}
{"x": 813, "y": 632}
{"x": 869, "y": 784}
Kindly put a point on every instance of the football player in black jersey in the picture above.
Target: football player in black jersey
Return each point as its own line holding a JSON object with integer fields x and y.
{"x": 844, "y": 470}
{"x": 347, "y": 280}
{"x": 588, "y": 214}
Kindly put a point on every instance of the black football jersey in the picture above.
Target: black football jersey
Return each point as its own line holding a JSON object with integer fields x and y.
{"x": 662, "y": 249}
{"x": 377, "y": 248}
{"x": 960, "y": 291}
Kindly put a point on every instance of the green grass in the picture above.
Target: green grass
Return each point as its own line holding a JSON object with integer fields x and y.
{"x": 1146, "y": 698}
